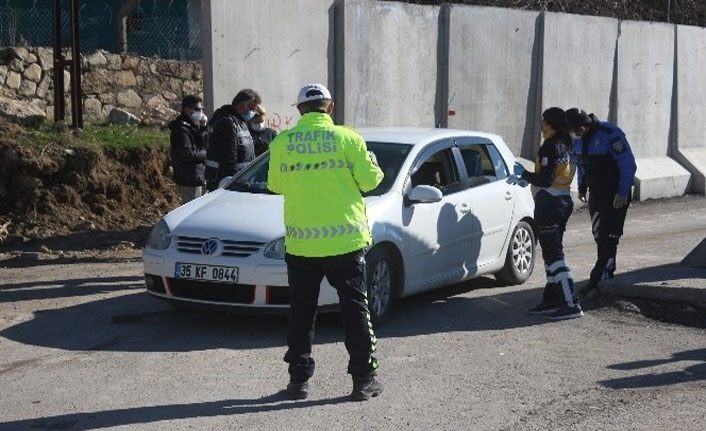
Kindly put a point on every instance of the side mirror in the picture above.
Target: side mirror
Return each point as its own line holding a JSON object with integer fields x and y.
{"x": 224, "y": 182}
{"x": 424, "y": 194}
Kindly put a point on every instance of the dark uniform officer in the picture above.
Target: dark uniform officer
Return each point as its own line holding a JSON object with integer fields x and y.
{"x": 606, "y": 171}
{"x": 321, "y": 169}
{"x": 230, "y": 146}
{"x": 552, "y": 207}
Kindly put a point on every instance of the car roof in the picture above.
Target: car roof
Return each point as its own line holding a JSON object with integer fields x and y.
{"x": 418, "y": 135}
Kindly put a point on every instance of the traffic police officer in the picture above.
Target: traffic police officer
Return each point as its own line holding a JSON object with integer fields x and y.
{"x": 552, "y": 207}
{"x": 321, "y": 170}
{"x": 606, "y": 172}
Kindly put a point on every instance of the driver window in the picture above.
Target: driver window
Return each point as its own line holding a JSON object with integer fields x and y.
{"x": 437, "y": 170}
{"x": 479, "y": 164}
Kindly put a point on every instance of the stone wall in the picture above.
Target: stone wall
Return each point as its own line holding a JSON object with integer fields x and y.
{"x": 149, "y": 88}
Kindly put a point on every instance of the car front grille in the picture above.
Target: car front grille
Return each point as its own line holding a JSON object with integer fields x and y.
{"x": 192, "y": 245}
{"x": 209, "y": 291}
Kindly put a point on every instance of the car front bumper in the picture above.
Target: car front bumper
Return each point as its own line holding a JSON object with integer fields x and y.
{"x": 262, "y": 283}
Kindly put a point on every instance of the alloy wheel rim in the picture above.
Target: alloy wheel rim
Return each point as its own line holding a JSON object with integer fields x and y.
{"x": 522, "y": 251}
{"x": 381, "y": 287}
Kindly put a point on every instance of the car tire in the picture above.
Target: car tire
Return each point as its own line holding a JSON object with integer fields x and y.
{"x": 382, "y": 279}
{"x": 519, "y": 260}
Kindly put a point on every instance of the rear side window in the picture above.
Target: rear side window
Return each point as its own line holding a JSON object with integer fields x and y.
{"x": 483, "y": 163}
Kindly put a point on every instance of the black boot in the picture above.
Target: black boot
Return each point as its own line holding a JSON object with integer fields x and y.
{"x": 363, "y": 389}
{"x": 298, "y": 390}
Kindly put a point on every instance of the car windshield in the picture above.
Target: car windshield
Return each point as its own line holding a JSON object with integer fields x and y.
{"x": 390, "y": 157}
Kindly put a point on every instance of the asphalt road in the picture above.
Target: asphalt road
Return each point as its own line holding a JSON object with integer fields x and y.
{"x": 83, "y": 347}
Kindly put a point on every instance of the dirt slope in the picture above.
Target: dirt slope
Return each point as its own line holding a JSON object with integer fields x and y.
{"x": 53, "y": 191}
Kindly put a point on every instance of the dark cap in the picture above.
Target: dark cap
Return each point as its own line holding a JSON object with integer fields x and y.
{"x": 556, "y": 118}
{"x": 577, "y": 118}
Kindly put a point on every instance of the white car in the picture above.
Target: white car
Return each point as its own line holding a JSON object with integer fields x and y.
{"x": 447, "y": 210}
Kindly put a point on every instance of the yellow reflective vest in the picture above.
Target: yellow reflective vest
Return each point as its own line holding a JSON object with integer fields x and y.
{"x": 321, "y": 170}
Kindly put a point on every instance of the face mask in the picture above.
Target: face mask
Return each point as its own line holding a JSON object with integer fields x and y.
{"x": 249, "y": 115}
{"x": 575, "y": 136}
{"x": 257, "y": 126}
{"x": 198, "y": 116}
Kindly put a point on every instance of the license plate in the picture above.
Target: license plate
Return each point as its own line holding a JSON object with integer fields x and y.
{"x": 194, "y": 271}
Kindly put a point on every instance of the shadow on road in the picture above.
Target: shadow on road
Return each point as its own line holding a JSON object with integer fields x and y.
{"x": 689, "y": 374}
{"x": 135, "y": 322}
{"x": 68, "y": 288}
{"x": 151, "y": 414}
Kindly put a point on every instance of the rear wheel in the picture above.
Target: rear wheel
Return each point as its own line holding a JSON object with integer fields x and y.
{"x": 381, "y": 278}
{"x": 519, "y": 261}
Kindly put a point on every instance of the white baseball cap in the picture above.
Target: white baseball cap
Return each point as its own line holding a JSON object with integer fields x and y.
{"x": 311, "y": 92}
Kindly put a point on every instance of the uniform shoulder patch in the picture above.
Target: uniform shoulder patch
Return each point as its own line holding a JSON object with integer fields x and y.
{"x": 617, "y": 145}
{"x": 544, "y": 161}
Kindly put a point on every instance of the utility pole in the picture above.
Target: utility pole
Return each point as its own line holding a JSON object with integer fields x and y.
{"x": 76, "y": 103}
{"x": 74, "y": 67}
{"x": 59, "y": 107}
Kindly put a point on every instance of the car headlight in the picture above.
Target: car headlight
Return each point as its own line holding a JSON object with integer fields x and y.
{"x": 160, "y": 237}
{"x": 275, "y": 249}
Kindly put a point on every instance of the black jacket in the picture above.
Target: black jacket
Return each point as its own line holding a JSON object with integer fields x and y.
{"x": 230, "y": 146}
{"x": 550, "y": 170}
{"x": 262, "y": 138}
{"x": 188, "y": 151}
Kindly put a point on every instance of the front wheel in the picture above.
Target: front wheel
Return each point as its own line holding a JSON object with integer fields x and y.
{"x": 381, "y": 279}
{"x": 519, "y": 261}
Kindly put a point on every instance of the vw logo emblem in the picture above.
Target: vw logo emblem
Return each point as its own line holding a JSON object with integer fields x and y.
{"x": 210, "y": 247}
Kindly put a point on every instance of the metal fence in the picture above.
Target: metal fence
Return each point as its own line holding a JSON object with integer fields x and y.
{"x": 165, "y": 28}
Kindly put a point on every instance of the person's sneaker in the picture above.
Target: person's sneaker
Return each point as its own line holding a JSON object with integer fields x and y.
{"x": 298, "y": 390}
{"x": 566, "y": 312}
{"x": 363, "y": 390}
{"x": 544, "y": 308}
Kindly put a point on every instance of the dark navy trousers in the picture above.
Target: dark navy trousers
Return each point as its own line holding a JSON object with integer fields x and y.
{"x": 551, "y": 213}
{"x": 607, "y": 224}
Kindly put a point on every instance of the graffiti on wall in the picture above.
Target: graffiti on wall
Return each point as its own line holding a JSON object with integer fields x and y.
{"x": 279, "y": 121}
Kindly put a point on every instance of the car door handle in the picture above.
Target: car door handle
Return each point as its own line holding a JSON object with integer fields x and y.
{"x": 464, "y": 208}
{"x": 508, "y": 196}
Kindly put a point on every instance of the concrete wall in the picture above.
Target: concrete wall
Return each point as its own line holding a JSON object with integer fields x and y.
{"x": 493, "y": 71}
{"x": 271, "y": 46}
{"x": 645, "y": 82}
{"x": 691, "y": 103}
{"x": 388, "y": 65}
{"x": 645, "y": 91}
{"x": 577, "y": 71}
{"x": 391, "y": 63}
